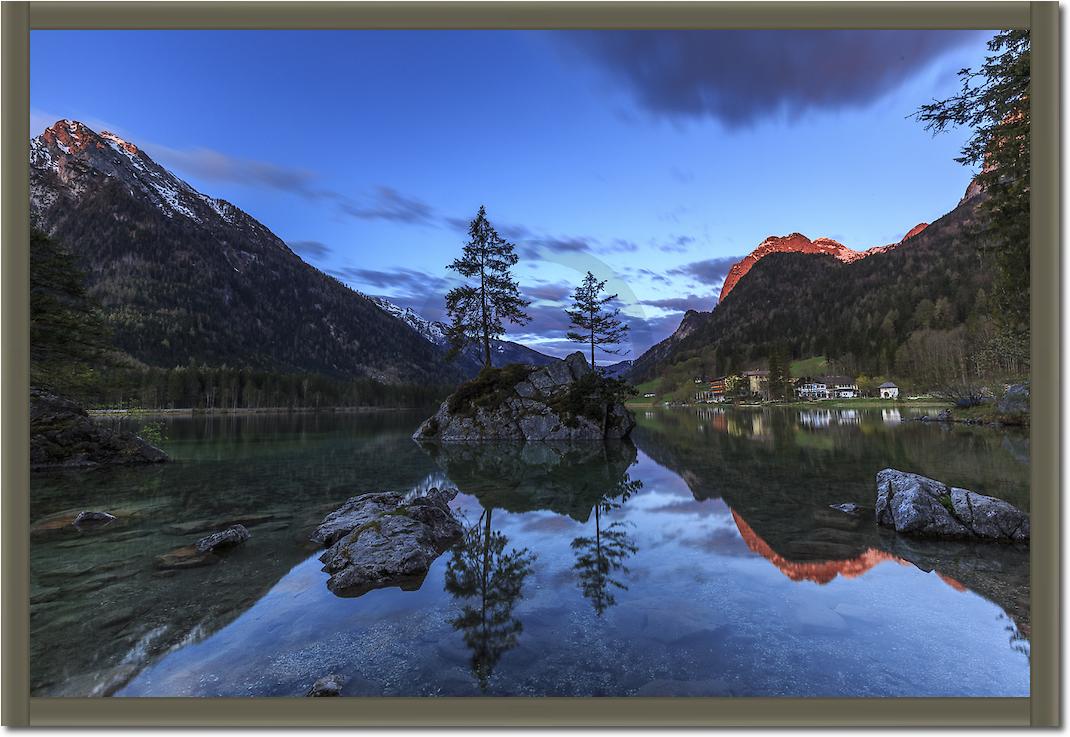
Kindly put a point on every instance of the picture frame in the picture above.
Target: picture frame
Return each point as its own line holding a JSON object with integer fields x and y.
{"x": 1041, "y": 709}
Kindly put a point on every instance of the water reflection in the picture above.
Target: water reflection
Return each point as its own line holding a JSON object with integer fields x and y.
{"x": 489, "y": 581}
{"x": 738, "y": 577}
{"x": 601, "y": 557}
{"x": 780, "y": 496}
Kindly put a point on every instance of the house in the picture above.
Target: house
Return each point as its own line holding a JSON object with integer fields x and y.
{"x": 841, "y": 387}
{"x": 809, "y": 387}
{"x": 889, "y": 390}
{"x": 714, "y": 392}
{"x": 757, "y": 383}
{"x": 826, "y": 387}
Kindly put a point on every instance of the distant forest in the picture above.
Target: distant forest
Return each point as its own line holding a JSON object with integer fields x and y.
{"x": 72, "y": 353}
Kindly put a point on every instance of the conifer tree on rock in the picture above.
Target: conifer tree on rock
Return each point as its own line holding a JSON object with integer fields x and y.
{"x": 477, "y": 309}
{"x": 600, "y": 326}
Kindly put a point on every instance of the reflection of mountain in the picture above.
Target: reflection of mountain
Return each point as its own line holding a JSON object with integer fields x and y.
{"x": 522, "y": 477}
{"x": 780, "y": 495}
{"x": 488, "y": 580}
{"x": 821, "y": 571}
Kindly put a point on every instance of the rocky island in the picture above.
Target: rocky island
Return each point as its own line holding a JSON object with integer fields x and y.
{"x": 566, "y": 400}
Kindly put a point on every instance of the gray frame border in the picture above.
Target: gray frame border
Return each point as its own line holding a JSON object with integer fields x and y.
{"x": 1043, "y": 708}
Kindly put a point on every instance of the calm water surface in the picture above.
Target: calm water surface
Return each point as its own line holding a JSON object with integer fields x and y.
{"x": 702, "y": 561}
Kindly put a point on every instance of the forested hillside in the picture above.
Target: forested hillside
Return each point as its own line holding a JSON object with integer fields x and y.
{"x": 916, "y": 311}
{"x": 183, "y": 279}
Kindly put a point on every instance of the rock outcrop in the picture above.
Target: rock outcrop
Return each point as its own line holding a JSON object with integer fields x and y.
{"x": 63, "y": 436}
{"x": 562, "y": 401}
{"x": 386, "y": 538}
{"x": 917, "y": 505}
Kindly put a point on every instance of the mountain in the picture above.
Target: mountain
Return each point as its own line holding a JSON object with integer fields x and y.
{"x": 820, "y": 298}
{"x": 186, "y": 278}
{"x": 503, "y": 352}
{"x": 799, "y": 243}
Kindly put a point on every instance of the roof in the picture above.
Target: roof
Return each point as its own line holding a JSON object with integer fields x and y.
{"x": 759, "y": 372}
{"x": 887, "y": 385}
{"x": 838, "y": 380}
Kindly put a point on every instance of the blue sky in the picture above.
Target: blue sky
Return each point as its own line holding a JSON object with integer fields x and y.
{"x": 654, "y": 159}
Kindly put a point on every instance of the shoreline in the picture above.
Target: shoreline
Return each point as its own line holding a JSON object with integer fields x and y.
{"x": 194, "y": 411}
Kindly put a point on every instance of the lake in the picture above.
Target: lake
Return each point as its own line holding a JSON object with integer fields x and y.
{"x": 703, "y": 560}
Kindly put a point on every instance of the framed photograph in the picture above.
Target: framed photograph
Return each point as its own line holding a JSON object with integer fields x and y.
{"x": 527, "y": 364}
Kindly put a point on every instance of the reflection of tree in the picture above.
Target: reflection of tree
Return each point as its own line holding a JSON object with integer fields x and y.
{"x": 490, "y": 580}
{"x": 603, "y": 555}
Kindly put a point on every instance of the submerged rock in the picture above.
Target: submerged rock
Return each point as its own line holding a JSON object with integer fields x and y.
{"x": 855, "y": 510}
{"x": 327, "y": 686}
{"x": 186, "y": 556}
{"x": 917, "y": 505}
{"x": 386, "y": 538}
{"x": 562, "y": 401}
{"x": 233, "y": 535}
{"x": 63, "y": 436}
{"x": 85, "y": 519}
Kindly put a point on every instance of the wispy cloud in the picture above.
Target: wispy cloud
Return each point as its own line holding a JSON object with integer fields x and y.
{"x": 676, "y": 244}
{"x": 311, "y": 249}
{"x": 386, "y": 203}
{"x": 709, "y": 271}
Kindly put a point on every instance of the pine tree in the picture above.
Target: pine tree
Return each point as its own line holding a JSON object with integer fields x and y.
{"x": 68, "y": 338}
{"x": 477, "y": 309}
{"x": 779, "y": 372}
{"x": 994, "y": 102}
{"x": 601, "y": 327}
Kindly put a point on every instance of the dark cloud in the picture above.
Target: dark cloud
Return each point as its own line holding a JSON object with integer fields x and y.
{"x": 677, "y": 244}
{"x": 741, "y": 77}
{"x": 710, "y": 271}
{"x": 312, "y": 249}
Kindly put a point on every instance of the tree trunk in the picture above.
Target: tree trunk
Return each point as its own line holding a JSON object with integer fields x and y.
{"x": 592, "y": 341}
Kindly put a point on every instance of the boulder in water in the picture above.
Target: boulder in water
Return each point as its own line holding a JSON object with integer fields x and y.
{"x": 233, "y": 535}
{"x": 917, "y": 505}
{"x": 386, "y": 538}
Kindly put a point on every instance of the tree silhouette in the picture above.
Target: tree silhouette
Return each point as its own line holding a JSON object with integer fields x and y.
{"x": 600, "y": 326}
{"x": 68, "y": 338}
{"x": 490, "y": 581}
{"x": 477, "y": 309}
{"x": 603, "y": 555}
{"x": 994, "y": 102}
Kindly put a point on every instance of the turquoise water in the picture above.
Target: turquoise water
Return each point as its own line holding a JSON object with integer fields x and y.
{"x": 702, "y": 561}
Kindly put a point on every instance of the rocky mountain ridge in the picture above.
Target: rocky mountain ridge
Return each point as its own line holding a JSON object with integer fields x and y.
{"x": 799, "y": 243}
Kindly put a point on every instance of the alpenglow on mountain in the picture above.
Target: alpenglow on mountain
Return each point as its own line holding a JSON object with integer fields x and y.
{"x": 185, "y": 278}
